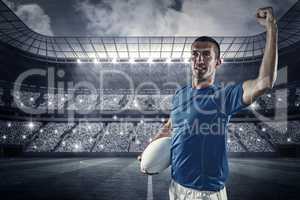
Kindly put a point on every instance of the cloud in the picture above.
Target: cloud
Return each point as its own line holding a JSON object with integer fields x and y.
{"x": 160, "y": 18}
{"x": 33, "y": 16}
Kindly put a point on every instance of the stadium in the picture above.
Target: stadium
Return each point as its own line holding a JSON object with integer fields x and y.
{"x": 76, "y": 112}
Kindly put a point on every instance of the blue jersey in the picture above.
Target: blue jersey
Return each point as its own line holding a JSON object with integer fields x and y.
{"x": 199, "y": 122}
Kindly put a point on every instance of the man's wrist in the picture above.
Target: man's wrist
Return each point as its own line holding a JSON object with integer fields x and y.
{"x": 272, "y": 28}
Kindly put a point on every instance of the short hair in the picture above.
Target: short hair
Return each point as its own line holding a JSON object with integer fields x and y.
{"x": 209, "y": 39}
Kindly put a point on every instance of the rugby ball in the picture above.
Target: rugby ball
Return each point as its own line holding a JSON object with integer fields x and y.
{"x": 157, "y": 156}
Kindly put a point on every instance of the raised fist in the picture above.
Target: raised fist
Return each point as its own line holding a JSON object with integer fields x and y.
{"x": 265, "y": 17}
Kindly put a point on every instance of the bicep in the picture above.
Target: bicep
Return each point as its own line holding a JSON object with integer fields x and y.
{"x": 252, "y": 89}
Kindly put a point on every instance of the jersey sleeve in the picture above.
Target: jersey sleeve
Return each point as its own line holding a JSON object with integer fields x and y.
{"x": 233, "y": 98}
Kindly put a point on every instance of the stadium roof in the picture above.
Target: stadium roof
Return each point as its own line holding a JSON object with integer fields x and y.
{"x": 124, "y": 49}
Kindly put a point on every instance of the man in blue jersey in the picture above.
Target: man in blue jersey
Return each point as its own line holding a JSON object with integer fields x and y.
{"x": 201, "y": 111}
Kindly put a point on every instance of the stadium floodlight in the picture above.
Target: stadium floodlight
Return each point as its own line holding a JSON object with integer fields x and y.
{"x": 289, "y": 139}
{"x": 168, "y": 60}
{"x": 35, "y": 147}
{"x": 31, "y": 125}
{"x": 78, "y": 61}
{"x": 4, "y": 137}
{"x": 31, "y": 99}
{"x": 132, "y": 60}
{"x": 150, "y": 60}
{"x": 96, "y": 61}
{"x": 186, "y": 60}
{"x": 254, "y": 105}
{"x": 114, "y": 60}
{"x": 115, "y": 117}
{"x": 23, "y": 137}
{"x": 135, "y": 103}
{"x": 8, "y": 124}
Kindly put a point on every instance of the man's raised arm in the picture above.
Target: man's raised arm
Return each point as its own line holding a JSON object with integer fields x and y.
{"x": 268, "y": 69}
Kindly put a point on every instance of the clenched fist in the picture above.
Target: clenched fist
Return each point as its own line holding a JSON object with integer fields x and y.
{"x": 266, "y": 18}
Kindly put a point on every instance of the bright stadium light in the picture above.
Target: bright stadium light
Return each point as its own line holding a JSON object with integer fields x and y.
{"x": 131, "y": 60}
{"x": 289, "y": 139}
{"x": 114, "y": 60}
{"x": 150, "y": 60}
{"x": 8, "y": 124}
{"x": 279, "y": 99}
{"x": 23, "y": 137}
{"x": 135, "y": 103}
{"x": 96, "y": 61}
{"x": 4, "y": 137}
{"x": 31, "y": 125}
{"x": 254, "y": 106}
{"x": 168, "y": 60}
{"x": 78, "y": 61}
{"x": 31, "y": 99}
{"x": 115, "y": 117}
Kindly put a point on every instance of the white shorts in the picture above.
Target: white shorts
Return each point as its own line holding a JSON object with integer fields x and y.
{"x": 179, "y": 192}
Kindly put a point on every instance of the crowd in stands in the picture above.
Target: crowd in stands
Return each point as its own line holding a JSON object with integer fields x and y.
{"x": 86, "y": 101}
{"x": 134, "y": 137}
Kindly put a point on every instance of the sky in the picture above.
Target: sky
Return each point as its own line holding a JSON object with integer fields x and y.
{"x": 144, "y": 17}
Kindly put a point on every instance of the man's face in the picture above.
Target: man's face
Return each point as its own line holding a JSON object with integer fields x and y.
{"x": 204, "y": 60}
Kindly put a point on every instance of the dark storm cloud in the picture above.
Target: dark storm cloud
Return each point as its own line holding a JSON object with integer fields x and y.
{"x": 33, "y": 16}
{"x": 170, "y": 17}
